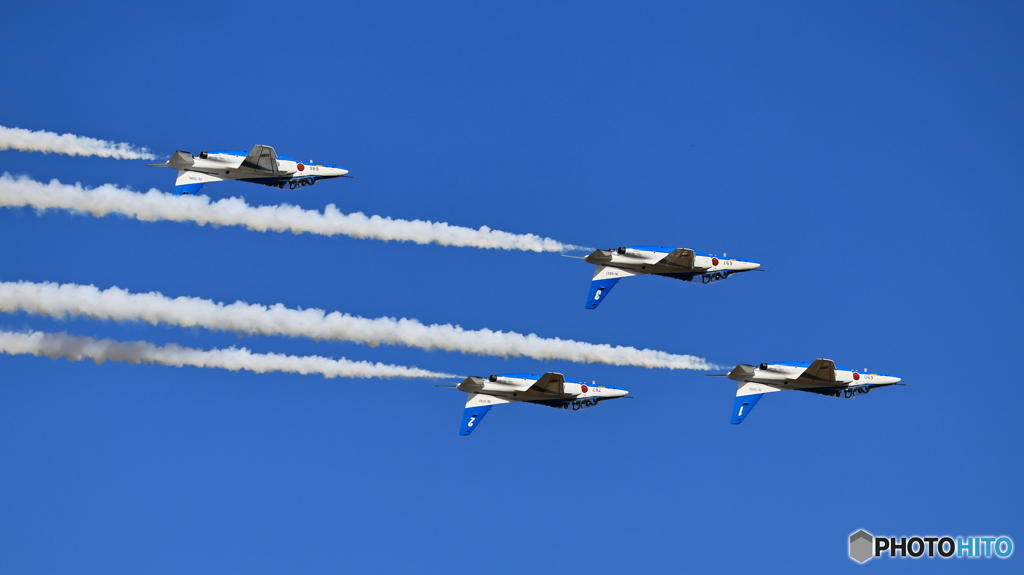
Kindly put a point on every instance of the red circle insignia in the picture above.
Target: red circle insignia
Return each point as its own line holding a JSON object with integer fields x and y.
{"x": 714, "y": 261}
{"x": 300, "y": 167}
{"x": 584, "y": 388}
{"x": 856, "y": 376}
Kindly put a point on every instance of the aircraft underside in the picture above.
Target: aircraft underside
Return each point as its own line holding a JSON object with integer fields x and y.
{"x": 570, "y": 404}
{"x": 704, "y": 277}
{"x": 280, "y": 183}
{"x": 844, "y": 391}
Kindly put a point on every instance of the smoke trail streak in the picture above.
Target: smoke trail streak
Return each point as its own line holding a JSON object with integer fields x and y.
{"x": 72, "y": 348}
{"x": 155, "y": 205}
{"x": 59, "y": 300}
{"x": 70, "y": 144}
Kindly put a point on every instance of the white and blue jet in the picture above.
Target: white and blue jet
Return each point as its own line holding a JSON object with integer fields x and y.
{"x": 822, "y": 376}
{"x": 262, "y": 165}
{"x": 678, "y": 263}
{"x": 551, "y": 389}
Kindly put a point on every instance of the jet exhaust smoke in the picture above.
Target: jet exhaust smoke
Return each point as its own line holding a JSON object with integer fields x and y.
{"x": 155, "y": 205}
{"x": 73, "y": 348}
{"x": 58, "y": 300}
{"x": 70, "y": 144}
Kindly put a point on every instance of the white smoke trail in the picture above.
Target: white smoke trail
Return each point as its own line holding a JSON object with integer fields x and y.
{"x": 155, "y": 205}
{"x": 70, "y": 144}
{"x": 58, "y": 300}
{"x": 57, "y": 345}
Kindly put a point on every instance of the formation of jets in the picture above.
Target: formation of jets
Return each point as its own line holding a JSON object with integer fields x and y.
{"x": 262, "y": 165}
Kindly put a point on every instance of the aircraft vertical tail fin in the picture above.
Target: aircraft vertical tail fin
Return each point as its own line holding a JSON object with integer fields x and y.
{"x": 598, "y": 290}
{"x": 187, "y": 189}
{"x": 477, "y": 406}
{"x": 471, "y": 417}
{"x": 742, "y": 406}
{"x": 188, "y": 182}
{"x": 605, "y": 278}
{"x": 747, "y": 396}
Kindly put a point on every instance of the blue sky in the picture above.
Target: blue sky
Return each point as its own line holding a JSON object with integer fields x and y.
{"x": 869, "y": 156}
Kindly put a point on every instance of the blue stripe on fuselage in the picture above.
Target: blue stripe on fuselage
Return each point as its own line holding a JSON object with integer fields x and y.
{"x": 664, "y": 250}
{"x": 840, "y": 367}
{"x": 244, "y": 154}
{"x": 535, "y": 377}
{"x": 804, "y": 364}
{"x": 661, "y": 249}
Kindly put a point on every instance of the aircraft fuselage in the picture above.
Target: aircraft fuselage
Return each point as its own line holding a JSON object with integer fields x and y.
{"x": 518, "y": 388}
{"x": 822, "y": 376}
{"x": 262, "y": 165}
{"x": 551, "y": 389}
{"x": 677, "y": 263}
{"x": 291, "y": 172}
{"x": 788, "y": 376}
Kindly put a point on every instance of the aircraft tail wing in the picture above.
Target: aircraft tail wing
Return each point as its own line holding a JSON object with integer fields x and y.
{"x": 189, "y": 182}
{"x": 477, "y": 406}
{"x": 179, "y": 161}
{"x": 605, "y": 278}
{"x": 747, "y": 395}
{"x": 741, "y": 372}
{"x": 261, "y": 159}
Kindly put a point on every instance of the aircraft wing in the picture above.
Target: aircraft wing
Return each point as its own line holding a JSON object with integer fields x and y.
{"x": 679, "y": 257}
{"x": 553, "y": 383}
{"x": 261, "y": 159}
{"x": 821, "y": 373}
{"x": 477, "y": 406}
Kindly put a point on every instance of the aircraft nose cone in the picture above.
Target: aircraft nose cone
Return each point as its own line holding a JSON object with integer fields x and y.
{"x": 618, "y": 393}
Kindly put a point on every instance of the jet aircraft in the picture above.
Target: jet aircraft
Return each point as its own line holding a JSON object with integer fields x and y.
{"x": 822, "y": 377}
{"x": 551, "y": 389}
{"x": 262, "y": 165}
{"x": 679, "y": 263}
